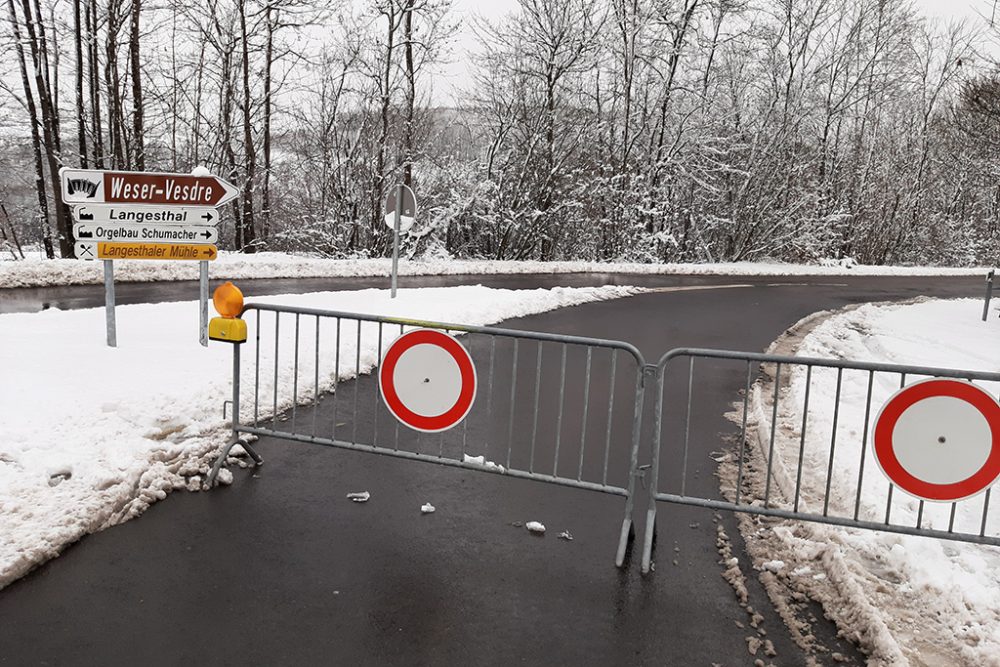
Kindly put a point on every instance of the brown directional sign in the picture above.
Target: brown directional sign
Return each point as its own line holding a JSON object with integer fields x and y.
{"x": 88, "y": 186}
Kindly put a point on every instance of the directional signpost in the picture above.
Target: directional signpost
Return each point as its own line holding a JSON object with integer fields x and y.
{"x": 149, "y": 216}
{"x": 86, "y": 231}
{"x": 400, "y": 214}
{"x": 138, "y": 214}
{"x": 166, "y": 251}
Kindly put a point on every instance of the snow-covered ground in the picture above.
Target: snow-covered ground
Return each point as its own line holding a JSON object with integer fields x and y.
{"x": 35, "y": 272}
{"x": 90, "y": 436}
{"x": 911, "y": 600}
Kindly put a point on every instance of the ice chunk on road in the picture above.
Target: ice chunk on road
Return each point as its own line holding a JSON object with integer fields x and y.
{"x": 565, "y": 535}
{"x": 481, "y": 462}
{"x": 535, "y": 527}
{"x": 774, "y": 566}
{"x": 427, "y": 508}
{"x": 359, "y": 496}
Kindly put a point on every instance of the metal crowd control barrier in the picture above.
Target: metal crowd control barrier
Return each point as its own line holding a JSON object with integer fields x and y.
{"x": 811, "y": 420}
{"x": 309, "y": 378}
{"x": 803, "y": 424}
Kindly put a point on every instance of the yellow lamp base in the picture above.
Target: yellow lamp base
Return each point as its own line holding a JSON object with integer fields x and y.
{"x": 227, "y": 330}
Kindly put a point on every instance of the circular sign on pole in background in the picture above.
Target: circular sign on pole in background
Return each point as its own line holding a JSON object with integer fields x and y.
{"x": 427, "y": 380}
{"x": 939, "y": 440}
{"x": 407, "y": 212}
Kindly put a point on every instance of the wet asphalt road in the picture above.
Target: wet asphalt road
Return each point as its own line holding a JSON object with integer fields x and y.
{"x": 279, "y": 569}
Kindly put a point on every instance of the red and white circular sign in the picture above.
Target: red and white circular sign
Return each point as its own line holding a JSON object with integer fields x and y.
{"x": 427, "y": 380}
{"x": 939, "y": 440}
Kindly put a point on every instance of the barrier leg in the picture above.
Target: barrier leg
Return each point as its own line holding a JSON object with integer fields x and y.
{"x": 649, "y": 540}
{"x": 628, "y": 531}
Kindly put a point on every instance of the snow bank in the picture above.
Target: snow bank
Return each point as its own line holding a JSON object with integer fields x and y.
{"x": 939, "y": 601}
{"x": 35, "y": 272}
{"x": 91, "y": 436}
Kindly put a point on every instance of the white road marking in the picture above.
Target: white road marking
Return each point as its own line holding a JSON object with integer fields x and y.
{"x": 692, "y": 288}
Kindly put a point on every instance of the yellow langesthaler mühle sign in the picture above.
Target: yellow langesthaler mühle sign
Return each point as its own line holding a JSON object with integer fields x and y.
{"x": 165, "y": 251}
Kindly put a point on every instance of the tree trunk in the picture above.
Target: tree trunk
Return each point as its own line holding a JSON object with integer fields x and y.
{"x": 411, "y": 94}
{"x": 133, "y": 51}
{"x": 250, "y": 154}
{"x": 265, "y": 206}
{"x": 111, "y": 81}
{"x": 94, "y": 83}
{"x": 49, "y": 135}
{"x": 13, "y": 233}
{"x": 81, "y": 122}
{"x": 36, "y": 142}
{"x": 383, "y": 140}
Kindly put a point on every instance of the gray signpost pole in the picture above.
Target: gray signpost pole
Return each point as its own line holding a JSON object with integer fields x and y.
{"x": 203, "y": 303}
{"x": 109, "y": 302}
{"x": 395, "y": 238}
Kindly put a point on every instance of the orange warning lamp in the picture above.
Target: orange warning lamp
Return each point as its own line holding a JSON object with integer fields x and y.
{"x": 229, "y": 328}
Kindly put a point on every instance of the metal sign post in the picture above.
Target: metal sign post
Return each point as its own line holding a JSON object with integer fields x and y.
{"x": 395, "y": 241}
{"x": 109, "y": 302}
{"x": 989, "y": 295}
{"x": 401, "y": 211}
{"x": 203, "y": 303}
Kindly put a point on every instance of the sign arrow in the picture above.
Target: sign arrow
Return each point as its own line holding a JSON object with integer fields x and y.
{"x": 207, "y": 217}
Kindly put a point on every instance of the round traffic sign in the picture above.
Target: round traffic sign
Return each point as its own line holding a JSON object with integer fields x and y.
{"x": 427, "y": 380}
{"x": 407, "y": 208}
{"x": 939, "y": 440}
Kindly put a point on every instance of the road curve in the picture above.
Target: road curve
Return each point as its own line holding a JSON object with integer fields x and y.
{"x": 279, "y": 569}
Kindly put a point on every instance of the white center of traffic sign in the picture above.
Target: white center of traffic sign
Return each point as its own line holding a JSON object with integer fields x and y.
{"x": 427, "y": 380}
{"x": 939, "y": 440}
{"x": 920, "y": 429}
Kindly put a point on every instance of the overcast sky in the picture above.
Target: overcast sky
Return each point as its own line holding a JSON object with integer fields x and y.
{"x": 455, "y": 76}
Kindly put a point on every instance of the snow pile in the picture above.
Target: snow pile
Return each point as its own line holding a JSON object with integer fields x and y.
{"x": 91, "y": 436}
{"x": 359, "y": 496}
{"x": 427, "y": 508}
{"x": 35, "y": 272}
{"x": 481, "y": 462}
{"x": 933, "y": 601}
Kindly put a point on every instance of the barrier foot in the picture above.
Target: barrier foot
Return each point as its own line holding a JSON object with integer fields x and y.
{"x": 217, "y": 466}
{"x": 625, "y": 542}
{"x": 251, "y": 452}
{"x": 649, "y": 541}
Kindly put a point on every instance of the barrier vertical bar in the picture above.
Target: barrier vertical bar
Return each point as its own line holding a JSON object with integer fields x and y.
{"x": 649, "y": 536}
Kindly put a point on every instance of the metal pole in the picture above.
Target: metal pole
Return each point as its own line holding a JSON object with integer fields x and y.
{"x": 236, "y": 391}
{"x": 109, "y": 302}
{"x": 989, "y": 295}
{"x": 395, "y": 239}
{"x": 203, "y": 303}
